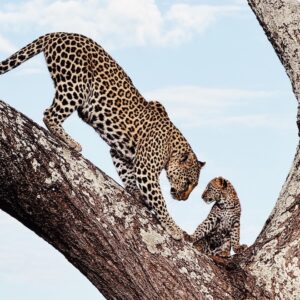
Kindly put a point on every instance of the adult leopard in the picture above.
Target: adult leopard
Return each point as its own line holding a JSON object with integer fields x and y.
{"x": 142, "y": 138}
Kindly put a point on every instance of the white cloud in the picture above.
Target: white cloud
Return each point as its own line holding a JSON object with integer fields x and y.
{"x": 191, "y": 19}
{"x": 212, "y": 98}
{"x": 194, "y": 106}
{"x": 36, "y": 66}
{"x": 6, "y": 46}
{"x": 26, "y": 258}
{"x": 116, "y": 23}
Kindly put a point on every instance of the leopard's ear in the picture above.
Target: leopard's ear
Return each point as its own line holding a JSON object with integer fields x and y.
{"x": 201, "y": 163}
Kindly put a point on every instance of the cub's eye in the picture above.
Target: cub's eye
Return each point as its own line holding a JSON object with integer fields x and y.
{"x": 184, "y": 158}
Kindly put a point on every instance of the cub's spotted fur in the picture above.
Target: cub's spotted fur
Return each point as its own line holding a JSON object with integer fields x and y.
{"x": 221, "y": 229}
{"x": 142, "y": 138}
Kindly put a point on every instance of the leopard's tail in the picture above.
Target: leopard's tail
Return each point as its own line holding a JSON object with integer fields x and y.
{"x": 23, "y": 54}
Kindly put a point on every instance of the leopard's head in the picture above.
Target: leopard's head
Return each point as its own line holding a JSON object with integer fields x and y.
{"x": 216, "y": 190}
{"x": 183, "y": 170}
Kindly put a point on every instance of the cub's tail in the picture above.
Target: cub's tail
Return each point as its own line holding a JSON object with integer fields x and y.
{"x": 22, "y": 55}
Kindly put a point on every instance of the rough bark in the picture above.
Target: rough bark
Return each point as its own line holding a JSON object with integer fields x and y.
{"x": 108, "y": 235}
{"x": 116, "y": 242}
{"x": 275, "y": 256}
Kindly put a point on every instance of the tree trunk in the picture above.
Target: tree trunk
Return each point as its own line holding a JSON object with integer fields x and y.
{"x": 116, "y": 242}
{"x": 275, "y": 257}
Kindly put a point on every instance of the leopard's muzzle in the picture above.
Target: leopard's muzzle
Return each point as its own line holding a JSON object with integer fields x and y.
{"x": 182, "y": 195}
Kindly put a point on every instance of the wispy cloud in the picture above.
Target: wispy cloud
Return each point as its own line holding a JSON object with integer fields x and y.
{"x": 189, "y": 20}
{"x": 36, "y": 66}
{"x": 194, "y": 106}
{"x": 43, "y": 268}
{"x": 6, "y": 46}
{"x": 116, "y": 23}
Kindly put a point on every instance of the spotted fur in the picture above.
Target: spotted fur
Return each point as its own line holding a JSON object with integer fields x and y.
{"x": 221, "y": 229}
{"x": 142, "y": 138}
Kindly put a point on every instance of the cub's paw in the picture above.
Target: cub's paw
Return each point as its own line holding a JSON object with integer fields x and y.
{"x": 195, "y": 238}
{"x": 239, "y": 249}
{"x": 199, "y": 246}
{"x": 224, "y": 254}
{"x": 187, "y": 237}
{"x": 175, "y": 232}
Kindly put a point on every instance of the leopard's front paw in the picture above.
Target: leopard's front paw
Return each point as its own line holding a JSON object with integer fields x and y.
{"x": 175, "y": 232}
{"x": 74, "y": 145}
{"x": 239, "y": 249}
{"x": 134, "y": 192}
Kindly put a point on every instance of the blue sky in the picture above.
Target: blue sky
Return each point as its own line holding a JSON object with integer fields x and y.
{"x": 221, "y": 82}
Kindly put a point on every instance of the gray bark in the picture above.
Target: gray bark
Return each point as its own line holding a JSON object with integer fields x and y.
{"x": 275, "y": 260}
{"x": 115, "y": 241}
{"x": 111, "y": 237}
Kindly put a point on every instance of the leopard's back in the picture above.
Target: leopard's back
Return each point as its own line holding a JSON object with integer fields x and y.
{"x": 89, "y": 80}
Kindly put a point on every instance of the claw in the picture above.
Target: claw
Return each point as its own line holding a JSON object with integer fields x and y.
{"x": 175, "y": 232}
{"x": 75, "y": 146}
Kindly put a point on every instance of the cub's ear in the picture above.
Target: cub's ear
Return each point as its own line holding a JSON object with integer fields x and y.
{"x": 222, "y": 182}
{"x": 201, "y": 163}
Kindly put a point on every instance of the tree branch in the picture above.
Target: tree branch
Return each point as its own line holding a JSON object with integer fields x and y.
{"x": 112, "y": 238}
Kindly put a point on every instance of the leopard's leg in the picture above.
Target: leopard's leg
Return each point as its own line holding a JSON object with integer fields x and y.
{"x": 125, "y": 170}
{"x": 202, "y": 246}
{"x": 147, "y": 180}
{"x": 207, "y": 225}
{"x": 150, "y": 157}
{"x": 54, "y": 116}
{"x": 224, "y": 249}
{"x": 235, "y": 239}
{"x": 152, "y": 192}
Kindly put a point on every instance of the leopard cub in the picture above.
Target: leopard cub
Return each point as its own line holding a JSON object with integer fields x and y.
{"x": 220, "y": 231}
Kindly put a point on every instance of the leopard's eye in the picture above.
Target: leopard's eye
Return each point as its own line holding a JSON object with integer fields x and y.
{"x": 184, "y": 158}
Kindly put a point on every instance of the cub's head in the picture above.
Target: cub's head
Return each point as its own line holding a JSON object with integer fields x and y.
{"x": 183, "y": 170}
{"x": 216, "y": 190}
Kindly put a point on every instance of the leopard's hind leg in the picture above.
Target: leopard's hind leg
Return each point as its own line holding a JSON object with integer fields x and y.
{"x": 125, "y": 170}
{"x": 54, "y": 116}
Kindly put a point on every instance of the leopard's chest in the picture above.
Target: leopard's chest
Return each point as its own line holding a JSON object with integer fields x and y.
{"x": 224, "y": 224}
{"x": 117, "y": 127}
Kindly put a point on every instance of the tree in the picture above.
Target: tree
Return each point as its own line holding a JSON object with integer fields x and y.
{"x": 116, "y": 242}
